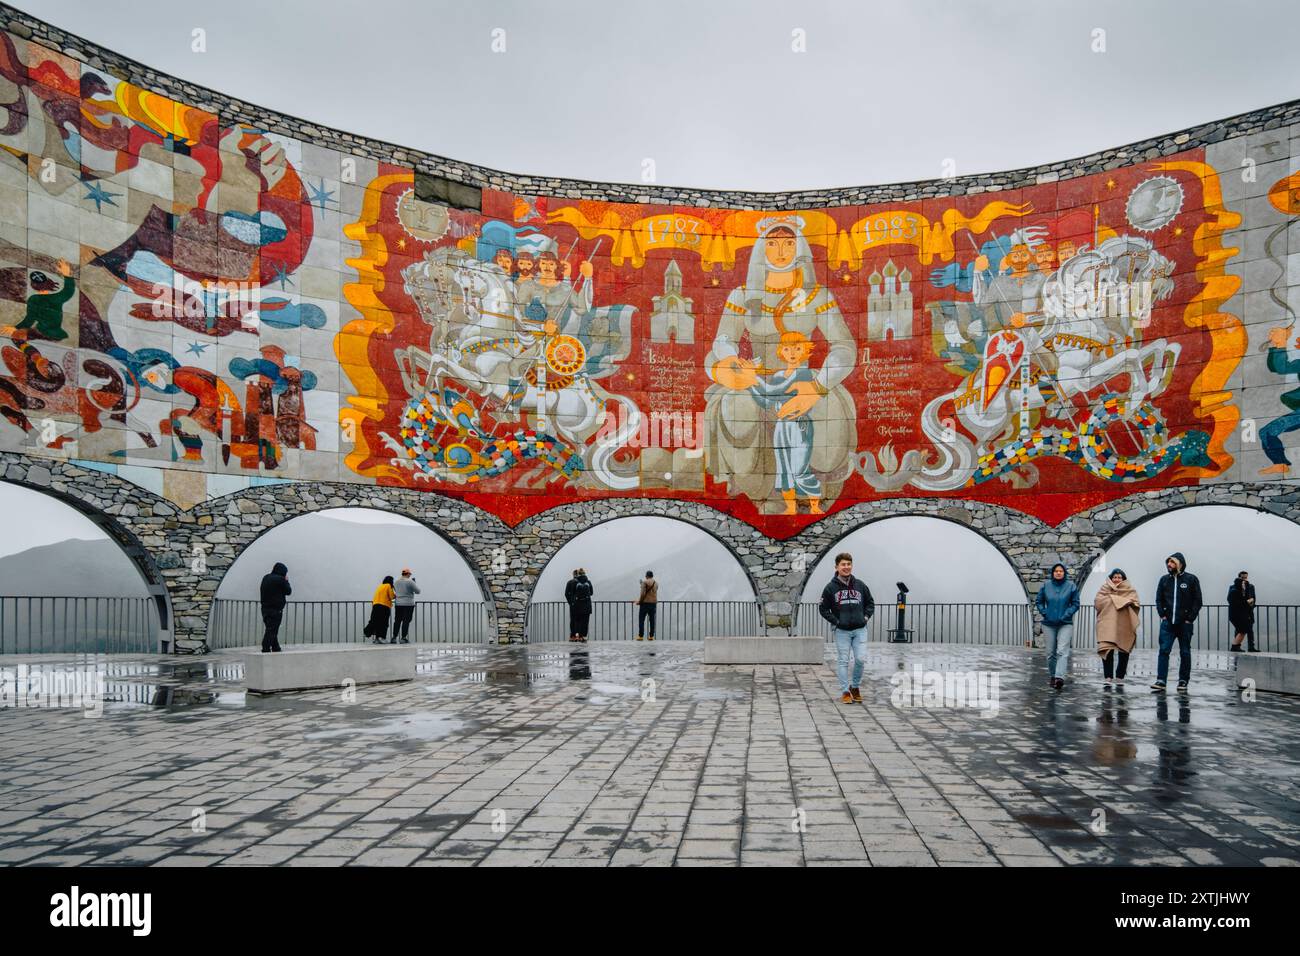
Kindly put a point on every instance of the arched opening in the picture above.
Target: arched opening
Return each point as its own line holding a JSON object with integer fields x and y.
{"x": 74, "y": 580}
{"x": 336, "y": 560}
{"x": 1218, "y": 541}
{"x": 702, "y": 588}
{"x": 960, "y": 586}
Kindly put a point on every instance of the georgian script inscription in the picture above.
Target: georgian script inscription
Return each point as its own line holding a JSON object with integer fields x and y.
{"x": 890, "y": 400}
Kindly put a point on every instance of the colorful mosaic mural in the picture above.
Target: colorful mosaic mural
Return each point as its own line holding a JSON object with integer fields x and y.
{"x": 219, "y": 304}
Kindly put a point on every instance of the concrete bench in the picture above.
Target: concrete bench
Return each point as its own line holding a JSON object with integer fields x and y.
{"x": 308, "y": 666}
{"x": 1279, "y": 673}
{"x": 783, "y": 649}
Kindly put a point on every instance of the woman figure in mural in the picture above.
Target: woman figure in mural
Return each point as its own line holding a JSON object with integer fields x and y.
{"x": 781, "y": 294}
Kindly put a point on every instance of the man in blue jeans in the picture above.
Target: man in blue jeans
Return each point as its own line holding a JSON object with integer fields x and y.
{"x": 847, "y": 605}
{"x": 1178, "y": 601}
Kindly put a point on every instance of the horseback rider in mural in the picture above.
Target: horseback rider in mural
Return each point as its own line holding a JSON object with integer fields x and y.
{"x": 514, "y": 361}
{"x": 1041, "y": 339}
{"x": 749, "y": 443}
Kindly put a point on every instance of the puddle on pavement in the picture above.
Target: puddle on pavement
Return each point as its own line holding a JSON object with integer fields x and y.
{"x": 406, "y": 727}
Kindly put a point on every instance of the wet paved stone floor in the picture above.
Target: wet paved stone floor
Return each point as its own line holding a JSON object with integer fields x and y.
{"x": 637, "y": 754}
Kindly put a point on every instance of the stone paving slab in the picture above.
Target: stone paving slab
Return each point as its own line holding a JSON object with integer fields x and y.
{"x": 631, "y": 754}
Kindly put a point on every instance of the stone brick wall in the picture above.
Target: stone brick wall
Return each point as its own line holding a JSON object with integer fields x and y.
{"x": 164, "y": 541}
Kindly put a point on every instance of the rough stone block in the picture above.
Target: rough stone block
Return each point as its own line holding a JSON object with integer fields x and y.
{"x": 1279, "y": 673}
{"x": 774, "y": 649}
{"x": 307, "y": 666}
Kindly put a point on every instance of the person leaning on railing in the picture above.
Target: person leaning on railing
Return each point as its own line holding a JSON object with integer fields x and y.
{"x": 381, "y": 608}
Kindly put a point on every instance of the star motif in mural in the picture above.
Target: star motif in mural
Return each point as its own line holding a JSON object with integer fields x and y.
{"x": 401, "y": 243}
{"x": 99, "y": 195}
{"x": 196, "y": 348}
{"x": 281, "y": 274}
{"x": 1178, "y": 231}
{"x": 1110, "y": 184}
{"x": 320, "y": 195}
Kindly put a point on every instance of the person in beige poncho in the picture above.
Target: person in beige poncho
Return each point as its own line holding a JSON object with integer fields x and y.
{"x": 1117, "y": 605}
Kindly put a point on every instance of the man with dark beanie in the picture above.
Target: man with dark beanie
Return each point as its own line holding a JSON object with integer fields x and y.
{"x": 1178, "y": 602}
{"x": 275, "y": 588}
{"x": 847, "y": 605}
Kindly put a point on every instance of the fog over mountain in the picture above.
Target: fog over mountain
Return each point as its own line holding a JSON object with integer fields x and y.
{"x": 74, "y": 567}
{"x": 342, "y": 555}
{"x": 690, "y": 564}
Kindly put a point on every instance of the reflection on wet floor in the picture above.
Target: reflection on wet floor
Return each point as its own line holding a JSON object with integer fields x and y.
{"x": 1208, "y": 775}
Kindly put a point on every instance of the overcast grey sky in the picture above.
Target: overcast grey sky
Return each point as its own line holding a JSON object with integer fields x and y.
{"x": 715, "y": 92}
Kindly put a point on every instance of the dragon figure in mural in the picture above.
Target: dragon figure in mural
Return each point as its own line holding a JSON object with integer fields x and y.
{"x": 1085, "y": 333}
{"x": 531, "y": 349}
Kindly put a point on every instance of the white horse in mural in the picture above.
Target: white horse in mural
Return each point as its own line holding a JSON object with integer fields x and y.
{"x": 1088, "y": 334}
{"x": 479, "y": 340}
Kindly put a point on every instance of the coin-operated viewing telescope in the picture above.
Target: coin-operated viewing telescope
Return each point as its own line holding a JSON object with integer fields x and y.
{"x": 900, "y": 634}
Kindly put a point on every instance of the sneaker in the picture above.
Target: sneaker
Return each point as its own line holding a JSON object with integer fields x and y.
{"x": 846, "y": 698}
{"x": 1059, "y": 683}
{"x": 650, "y": 638}
{"x": 1158, "y": 685}
{"x": 1182, "y": 687}
{"x": 856, "y": 694}
{"x": 1235, "y": 647}
{"x": 403, "y": 641}
{"x": 1119, "y": 680}
{"x": 640, "y": 638}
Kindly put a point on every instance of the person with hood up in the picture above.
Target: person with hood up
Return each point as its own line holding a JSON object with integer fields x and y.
{"x": 275, "y": 589}
{"x": 1178, "y": 601}
{"x": 579, "y": 604}
{"x": 847, "y": 605}
{"x": 381, "y": 608}
{"x": 1117, "y": 605}
{"x": 570, "y": 593}
{"x": 1241, "y": 612}
{"x": 1057, "y": 603}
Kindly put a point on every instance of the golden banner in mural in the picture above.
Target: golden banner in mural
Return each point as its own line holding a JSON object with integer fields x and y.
{"x": 717, "y": 244}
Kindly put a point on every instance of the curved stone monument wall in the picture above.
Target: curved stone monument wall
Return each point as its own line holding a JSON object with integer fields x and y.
{"x": 198, "y": 302}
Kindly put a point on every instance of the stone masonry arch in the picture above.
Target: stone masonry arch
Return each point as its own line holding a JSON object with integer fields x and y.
{"x": 1113, "y": 521}
{"x": 224, "y": 527}
{"x": 228, "y": 546}
{"x": 134, "y": 518}
{"x": 544, "y": 535}
{"x": 1021, "y": 540}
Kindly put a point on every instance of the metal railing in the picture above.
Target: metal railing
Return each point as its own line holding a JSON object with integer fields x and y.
{"x": 1277, "y": 628}
{"x": 934, "y": 623}
{"x": 674, "y": 620}
{"x": 83, "y": 625}
{"x": 237, "y": 623}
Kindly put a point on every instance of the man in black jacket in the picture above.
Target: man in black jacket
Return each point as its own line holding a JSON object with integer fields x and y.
{"x": 582, "y": 592}
{"x": 275, "y": 588}
{"x": 1178, "y": 602}
{"x": 570, "y": 593}
{"x": 847, "y": 605}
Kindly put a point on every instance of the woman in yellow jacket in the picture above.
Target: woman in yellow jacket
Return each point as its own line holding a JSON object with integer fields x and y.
{"x": 380, "y": 610}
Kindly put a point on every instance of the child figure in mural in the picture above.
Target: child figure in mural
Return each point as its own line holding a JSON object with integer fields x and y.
{"x": 792, "y": 437}
{"x": 751, "y": 430}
